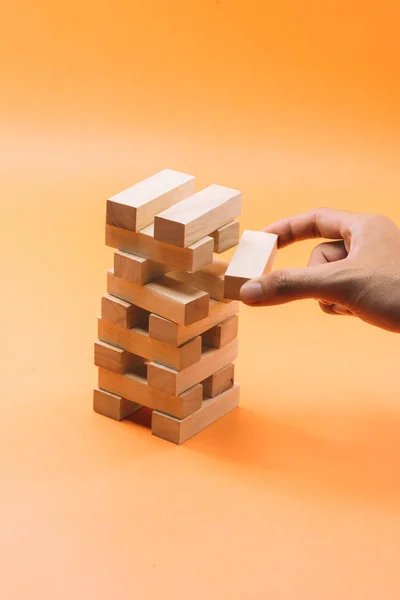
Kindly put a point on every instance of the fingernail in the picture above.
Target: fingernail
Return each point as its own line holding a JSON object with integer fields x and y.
{"x": 340, "y": 310}
{"x": 251, "y": 293}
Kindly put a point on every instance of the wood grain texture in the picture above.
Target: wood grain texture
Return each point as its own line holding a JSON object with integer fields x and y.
{"x": 219, "y": 382}
{"x": 136, "y": 207}
{"x": 197, "y": 216}
{"x": 254, "y": 256}
{"x": 171, "y": 333}
{"x": 137, "y": 341}
{"x": 115, "y": 359}
{"x": 175, "y": 382}
{"x": 212, "y": 409}
{"x": 210, "y": 279}
{"x": 122, "y": 313}
{"x": 113, "y": 406}
{"x": 226, "y": 237}
{"x": 178, "y": 302}
{"x": 142, "y": 243}
{"x": 221, "y": 334}
{"x": 133, "y": 386}
{"x": 136, "y": 268}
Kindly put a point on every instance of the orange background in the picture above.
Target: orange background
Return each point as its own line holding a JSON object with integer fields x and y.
{"x": 296, "y": 494}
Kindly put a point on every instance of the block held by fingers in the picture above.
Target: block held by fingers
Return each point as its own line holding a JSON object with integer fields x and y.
{"x": 254, "y": 256}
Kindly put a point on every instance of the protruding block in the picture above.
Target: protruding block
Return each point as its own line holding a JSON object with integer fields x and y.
{"x": 219, "y": 382}
{"x": 176, "y": 335}
{"x": 175, "y": 382}
{"x": 137, "y": 341}
{"x": 136, "y": 269}
{"x": 210, "y": 279}
{"x": 226, "y": 237}
{"x": 197, "y": 216}
{"x": 179, "y": 302}
{"x": 178, "y": 431}
{"x": 221, "y": 334}
{"x": 110, "y": 405}
{"x": 254, "y": 256}
{"x": 193, "y": 258}
{"x": 121, "y": 313}
{"x": 136, "y": 207}
{"x": 133, "y": 386}
{"x": 115, "y": 359}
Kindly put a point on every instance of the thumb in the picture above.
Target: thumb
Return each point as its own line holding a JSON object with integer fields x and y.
{"x": 322, "y": 282}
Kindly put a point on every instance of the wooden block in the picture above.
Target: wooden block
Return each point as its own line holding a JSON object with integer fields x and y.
{"x": 210, "y": 279}
{"x": 254, "y": 256}
{"x": 137, "y": 341}
{"x": 136, "y": 268}
{"x": 212, "y": 409}
{"x": 179, "y": 302}
{"x": 136, "y": 207}
{"x": 142, "y": 243}
{"x": 133, "y": 386}
{"x": 197, "y": 216}
{"x": 115, "y": 359}
{"x": 117, "y": 311}
{"x": 226, "y": 237}
{"x": 175, "y": 335}
{"x": 219, "y": 382}
{"x": 113, "y": 406}
{"x": 221, "y": 334}
{"x": 175, "y": 382}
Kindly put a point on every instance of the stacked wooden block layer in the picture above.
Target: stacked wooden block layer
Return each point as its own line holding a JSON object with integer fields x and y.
{"x": 167, "y": 336}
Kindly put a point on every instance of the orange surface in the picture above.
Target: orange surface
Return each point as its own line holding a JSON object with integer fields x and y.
{"x": 294, "y": 496}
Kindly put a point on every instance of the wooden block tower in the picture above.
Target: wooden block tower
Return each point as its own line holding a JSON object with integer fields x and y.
{"x": 167, "y": 335}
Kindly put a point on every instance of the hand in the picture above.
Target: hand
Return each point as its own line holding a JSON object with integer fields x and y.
{"x": 358, "y": 274}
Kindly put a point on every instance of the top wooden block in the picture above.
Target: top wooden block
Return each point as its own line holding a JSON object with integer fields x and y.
{"x": 136, "y": 207}
{"x": 197, "y": 216}
{"x": 253, "y": 257}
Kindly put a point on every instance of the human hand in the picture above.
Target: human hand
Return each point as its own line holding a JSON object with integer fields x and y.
{"x": 358, "y": 274}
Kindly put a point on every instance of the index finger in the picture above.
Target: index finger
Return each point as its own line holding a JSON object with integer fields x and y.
{"x": 318, "y": 223}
